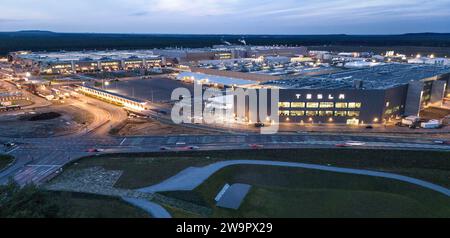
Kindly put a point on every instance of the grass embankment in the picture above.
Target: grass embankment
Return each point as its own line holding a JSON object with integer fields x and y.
{"x": 79, "y": 205}
{"x": 31, "y": 202}
{"x": 295, "y": 192}
{"x": 140, "y": 170}
{"x": 5, "y": 161}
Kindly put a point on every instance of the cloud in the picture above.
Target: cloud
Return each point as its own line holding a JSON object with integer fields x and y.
{"x": 355, "y": 9}
{"x": 196, "y": 7}
{"x": 139, "y": 14}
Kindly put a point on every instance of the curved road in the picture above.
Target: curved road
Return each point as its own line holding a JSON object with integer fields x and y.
{"x": 191, "y": 178}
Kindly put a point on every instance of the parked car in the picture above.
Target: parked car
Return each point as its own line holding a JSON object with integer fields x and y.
{"x": 439, "y": 142}
{"x": 9, "y": 144}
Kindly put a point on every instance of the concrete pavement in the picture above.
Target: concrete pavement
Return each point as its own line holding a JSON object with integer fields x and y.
{"x": 155, "y": 210}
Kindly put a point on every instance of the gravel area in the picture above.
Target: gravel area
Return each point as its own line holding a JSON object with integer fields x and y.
{"x": 95, "y": 180}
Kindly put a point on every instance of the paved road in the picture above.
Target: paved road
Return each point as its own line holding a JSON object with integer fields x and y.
{"x": 155, "y": 210}
{"x": 38, "y": 102}
{"x": 191, "y": 178}
{"x": 38, "y": 158}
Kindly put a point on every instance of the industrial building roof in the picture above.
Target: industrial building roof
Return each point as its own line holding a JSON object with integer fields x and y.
{"x": 377, "y": 77}
{"x": 279, "y": 66}
{"x": 213, "y": 79}
{"x": 88, "y": 55}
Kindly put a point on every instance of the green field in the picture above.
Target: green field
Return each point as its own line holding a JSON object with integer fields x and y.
{"x": 5, "y": 161}
{"x": 294, "y": 192}
{"x": 140, "y": 170}
{"x": 79, "y": 205}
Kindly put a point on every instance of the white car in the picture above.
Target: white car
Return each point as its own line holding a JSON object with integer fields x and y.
{"x": 354, "y": 143}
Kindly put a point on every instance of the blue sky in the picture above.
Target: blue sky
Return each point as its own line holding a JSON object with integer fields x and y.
{"x": 227, "y": 16}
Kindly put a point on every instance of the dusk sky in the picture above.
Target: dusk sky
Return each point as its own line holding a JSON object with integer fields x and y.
{"x": 228, "y": 16}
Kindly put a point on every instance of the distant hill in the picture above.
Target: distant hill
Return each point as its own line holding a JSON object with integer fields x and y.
{"x": 35, "y": 32}
{"x": 37, "y": 40}
{"x": 427, "y": 34}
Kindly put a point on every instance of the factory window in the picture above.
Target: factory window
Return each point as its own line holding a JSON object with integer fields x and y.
{"x": 326, "y": 105}
{"x": 298, "y": 104}
{"x": 341, "y": 105}
{"x": 284, "y": 104}
{"x": 283, "y": 113}
{"x": 340, "y": 113}
{"x": 354, "y": 105}
{"x": 341, "y": 96}
{"x": 308, "y": 96}
{"x": 319, "y": 96}
{"x": 353, "y": 113}
{"x": 326, "y": 113}
{"x": 297, "y": 113}
{"x": 312, "y": 113}
{"x": 312, "y": 105}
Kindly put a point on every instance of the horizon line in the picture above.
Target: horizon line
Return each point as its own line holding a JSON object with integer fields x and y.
{"x": 225, "y": 34}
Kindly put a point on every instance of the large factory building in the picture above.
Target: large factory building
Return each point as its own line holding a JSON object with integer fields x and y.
{"x": 364, "y": 96}
{"x": 372, "y": 95}
{"x": 86, "y": 61}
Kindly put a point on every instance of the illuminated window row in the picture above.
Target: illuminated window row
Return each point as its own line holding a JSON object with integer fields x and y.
{"x": 320, "y": 113}
{"x": 319, "y": 105}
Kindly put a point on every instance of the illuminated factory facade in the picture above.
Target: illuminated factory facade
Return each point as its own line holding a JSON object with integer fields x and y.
{"x": 359, "y": 97}
{"x": 79, "y": 62}
{"x": 363, "y": 96}
{"x": 126, "y": 102}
